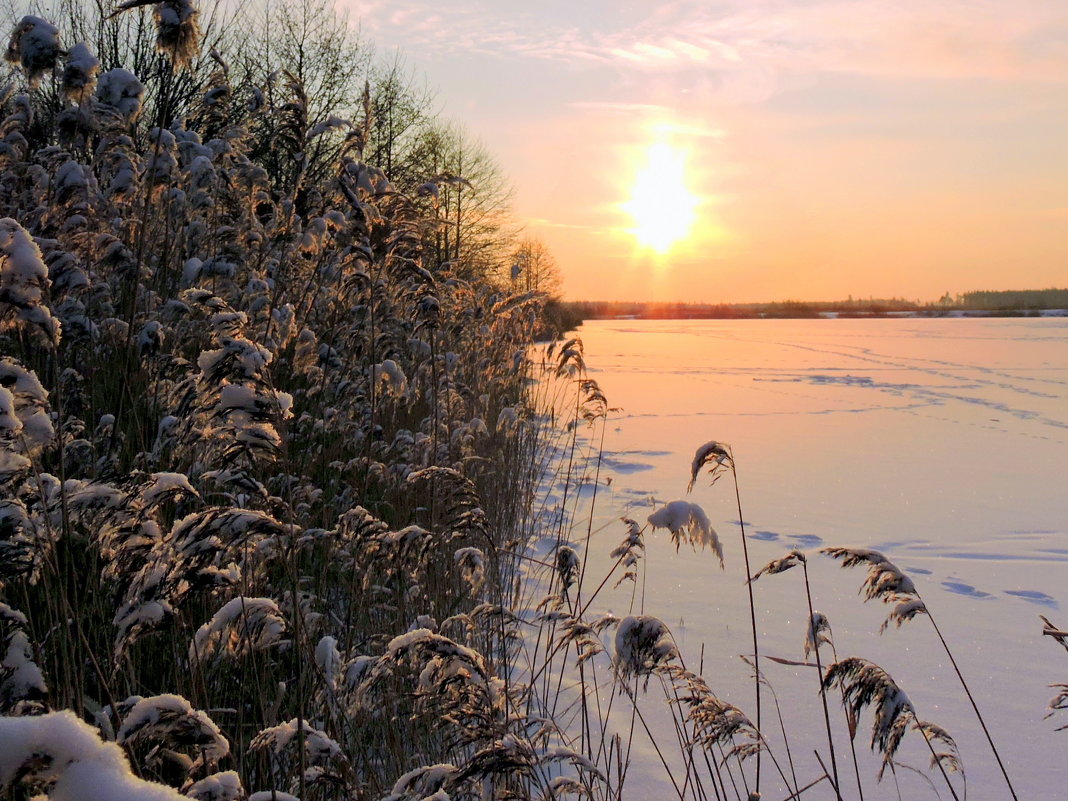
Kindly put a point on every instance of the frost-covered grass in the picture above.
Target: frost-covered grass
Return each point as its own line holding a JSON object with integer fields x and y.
{"x": 256, "y": 533}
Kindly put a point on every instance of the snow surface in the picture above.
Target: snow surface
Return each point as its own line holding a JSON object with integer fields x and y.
{"x": 941, "y": 443}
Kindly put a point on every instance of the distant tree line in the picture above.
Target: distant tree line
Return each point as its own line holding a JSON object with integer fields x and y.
{"x": 590, "y": 310}
{"x": 980, "y": 301}
{"x": 1014, "y": 299}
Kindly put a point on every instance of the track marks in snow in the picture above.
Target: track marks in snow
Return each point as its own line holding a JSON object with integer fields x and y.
{"x": 1035, "y": 597}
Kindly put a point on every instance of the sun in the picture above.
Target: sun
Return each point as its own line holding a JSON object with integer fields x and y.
{"x": 663, "y": 208}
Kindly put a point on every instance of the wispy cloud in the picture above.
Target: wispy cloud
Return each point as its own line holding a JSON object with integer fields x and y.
{"x": 992, "y": 39}
{"x": 545, "y": 223}
{"x": 620, "y": 107}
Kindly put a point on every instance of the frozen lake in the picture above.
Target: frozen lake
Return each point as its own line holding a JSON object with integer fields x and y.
{"x": 942, "y": 443}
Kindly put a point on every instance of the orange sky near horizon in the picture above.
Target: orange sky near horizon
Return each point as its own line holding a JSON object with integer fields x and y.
{"x": 832, "y": 148}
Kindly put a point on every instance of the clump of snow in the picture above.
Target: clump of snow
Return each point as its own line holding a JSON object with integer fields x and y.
{"x": 165, "y": 486}
{"x": 390, "y": 374}
{"x": 79, "y": 73}
{"x": 177, "y": 30}
{"x": 121, "y": 90}
{"x": 170, "y": 718}
{"x": 431, "y": 190}
{"x": 151, "y": 338}
{"x": 72, "y": 180}
{"x": 507, "y": 420}
{"x": 162, "y": 161}
{"x": 711, "y": 453}
{"x": 328, "y": 659}
{"x": 11, "y": 615}
{"x": 34, "y": 45}
{"x": 24, "y": 411}
{"x": 10, "y": 424}
{"x": 191, "y": 271}
{"x": 247, "y": 355}
{"x": 687, "y": 521}
{"x": 819, "y": 632}
{"x": 421, "y": 782}
{"x": 241, "y": 625}
{"x": 329, "y": 124}
{"x": 23, "y": 680}
{"x": 567, "y": 565}
{"x": 225, "y": 786}
{"x": 643, "y": 644}
{"x": 471, "y": 564}
{"x": 359, "y": 669}
{"x": 62, "y": 751}
{"x": 317, "y": 744}
{"x": 134, "y": 617}
{"x": 24, "y": 279}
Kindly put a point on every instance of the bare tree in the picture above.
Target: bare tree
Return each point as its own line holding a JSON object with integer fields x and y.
{"x": 305, "y": 57}
{"x": 534, "y": 268}
{"x": 401, "y": 111}
{"x": 471, "y": 199}
{"x": 128, "y": 39}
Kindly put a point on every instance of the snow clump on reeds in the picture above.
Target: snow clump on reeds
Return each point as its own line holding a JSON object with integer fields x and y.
{"x": 170, "y": 721}
{"x": 177, "y": 28}
{"x": 68, "y": 757}
{"x": 687, "y": 522}
{"x": 34, "y": 46}
{"x": 79, "y": 73}
{"x": 22, "y": 688}
{"x": 471, "y": 564}
{"x": 714, "y": 455}
{"x": 241, "y": 626}
{"x": 643, "y": 645}
{"x": 24, "y": 281}
{"x": 224, "y": 786}
{"x": 120, "y": 90}
{"x": 818, "y": 632}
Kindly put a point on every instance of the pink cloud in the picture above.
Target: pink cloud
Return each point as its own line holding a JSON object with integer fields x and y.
{"x": 987, "y": 39}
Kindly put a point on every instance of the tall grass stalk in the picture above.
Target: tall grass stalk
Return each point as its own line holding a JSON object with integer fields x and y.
{"x": 823, "y": 690}
{"x": 752, "y": 603}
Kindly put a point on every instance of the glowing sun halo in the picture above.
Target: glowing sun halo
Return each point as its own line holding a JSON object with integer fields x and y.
{"x": 662, "y": 207}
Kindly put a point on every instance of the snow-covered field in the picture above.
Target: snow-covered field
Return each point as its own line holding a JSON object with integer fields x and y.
{"x": 942, "y": 443}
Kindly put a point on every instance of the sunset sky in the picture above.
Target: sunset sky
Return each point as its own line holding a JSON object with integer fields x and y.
{"x": 823, "y": 148}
